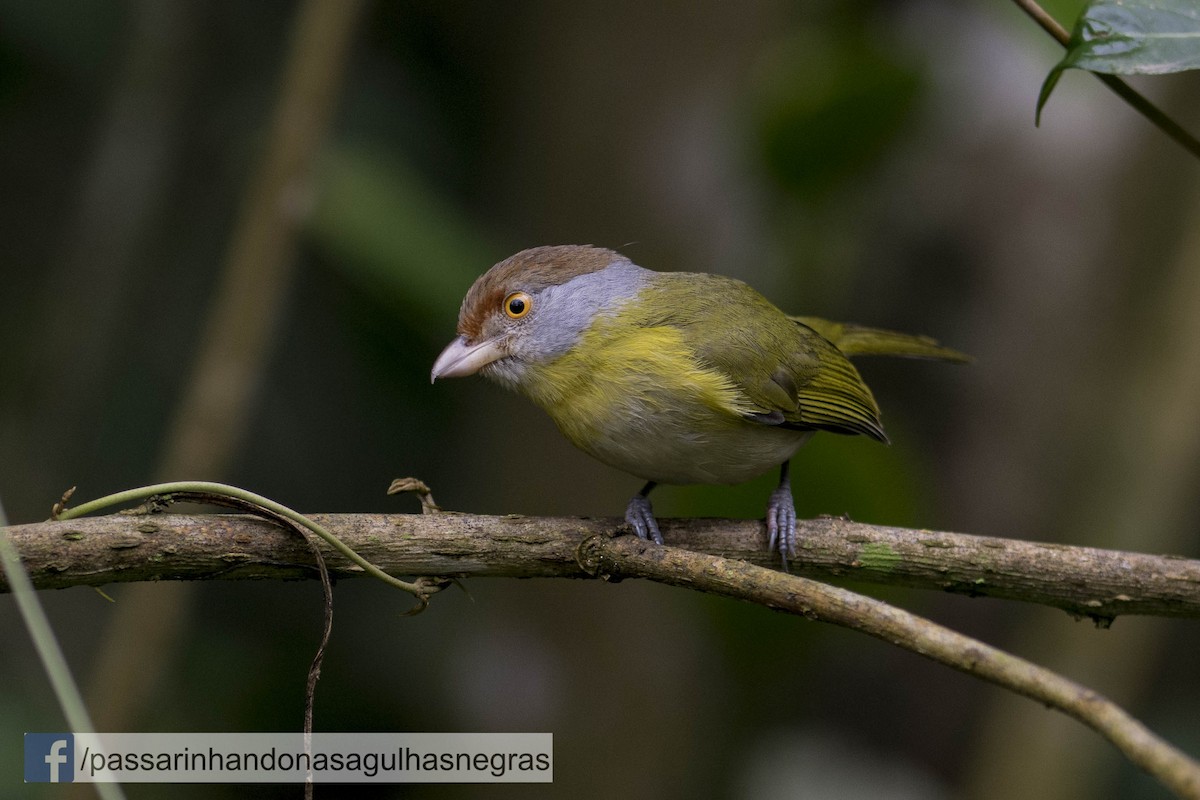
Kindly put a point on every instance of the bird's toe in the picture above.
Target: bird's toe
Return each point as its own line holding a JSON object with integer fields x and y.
{"x": 640, "y": 517}
{"x": 781, "y": 524}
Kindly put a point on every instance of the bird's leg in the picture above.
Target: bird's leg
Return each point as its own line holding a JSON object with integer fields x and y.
{"x": 781, "y": 518}
{"x": 640, "y": 515}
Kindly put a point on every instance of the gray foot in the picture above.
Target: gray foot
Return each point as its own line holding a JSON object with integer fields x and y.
{"x": 781, "y": 524}
{"x": 640, "y": 517}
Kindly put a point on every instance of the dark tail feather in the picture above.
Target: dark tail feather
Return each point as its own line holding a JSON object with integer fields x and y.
{"x": 857, "y": 340}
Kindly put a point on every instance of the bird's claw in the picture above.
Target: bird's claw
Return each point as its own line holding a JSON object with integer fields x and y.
{"x": 781, "y": 524}
{"x": 640, "y": 517}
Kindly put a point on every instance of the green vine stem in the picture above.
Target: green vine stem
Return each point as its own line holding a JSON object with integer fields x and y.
{"x": 420, "y": 590}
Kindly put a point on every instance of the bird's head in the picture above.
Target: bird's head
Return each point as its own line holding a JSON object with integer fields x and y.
{"x": 533, "y": 307}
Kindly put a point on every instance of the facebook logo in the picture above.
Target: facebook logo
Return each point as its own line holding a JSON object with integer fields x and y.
{"x": 49, "y": 758}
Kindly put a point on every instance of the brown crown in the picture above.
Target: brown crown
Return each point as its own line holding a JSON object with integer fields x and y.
{"x": 530, "y": 271}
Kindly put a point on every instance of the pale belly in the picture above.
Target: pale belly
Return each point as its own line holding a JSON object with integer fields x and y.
{"x": 693, "y": 445}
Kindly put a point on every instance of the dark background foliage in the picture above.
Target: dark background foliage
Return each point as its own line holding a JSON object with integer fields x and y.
{"x": 868, "y": 161}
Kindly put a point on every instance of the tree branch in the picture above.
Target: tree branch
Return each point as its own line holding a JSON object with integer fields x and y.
{"x": 630, "y": 557}
{"x": 1084, "y": 581}
{"x": 142, "y": 546}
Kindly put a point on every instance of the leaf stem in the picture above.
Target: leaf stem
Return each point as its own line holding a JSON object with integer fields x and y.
{"x": 1151, "y": 112}
{"x": 1122, "y": 89}
{"x": 1049, "y": 24}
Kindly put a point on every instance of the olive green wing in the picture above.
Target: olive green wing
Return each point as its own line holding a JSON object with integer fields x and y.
{"x": 835, "y": 398}
{"x": 791, "y": 375}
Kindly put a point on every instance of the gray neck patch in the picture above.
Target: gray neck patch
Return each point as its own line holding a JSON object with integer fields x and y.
{"x": 563, "y": 312}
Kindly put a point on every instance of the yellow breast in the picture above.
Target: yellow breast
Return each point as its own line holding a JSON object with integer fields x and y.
{"x": 638, "y": 399}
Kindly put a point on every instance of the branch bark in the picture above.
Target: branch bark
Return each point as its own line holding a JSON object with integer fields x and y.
{"x": 1084, "y": 581}
{"x": 629, "y": 557}
{"x": 141, "y": 546}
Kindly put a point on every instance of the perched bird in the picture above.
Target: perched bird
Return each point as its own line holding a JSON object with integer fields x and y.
{"x": 674, "y": 377}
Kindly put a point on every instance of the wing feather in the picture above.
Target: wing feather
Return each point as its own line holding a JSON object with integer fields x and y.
{"x": 788, "y": 374}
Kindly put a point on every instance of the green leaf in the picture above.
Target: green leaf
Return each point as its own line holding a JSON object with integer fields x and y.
{"x": 1131, "y": 37}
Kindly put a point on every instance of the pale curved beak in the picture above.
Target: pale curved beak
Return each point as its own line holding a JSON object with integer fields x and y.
{"x": 460, "y": 358}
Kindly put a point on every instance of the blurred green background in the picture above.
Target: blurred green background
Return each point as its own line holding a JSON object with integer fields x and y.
{"x": 867, "y": 161}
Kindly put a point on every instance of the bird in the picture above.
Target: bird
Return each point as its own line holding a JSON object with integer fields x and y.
{"x": 673, "y": 377}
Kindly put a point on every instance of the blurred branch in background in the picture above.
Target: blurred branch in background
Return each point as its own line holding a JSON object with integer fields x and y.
{"x": 126, "y": 180}
{"x": 210, "y": 421}
{"x": 1083, "y": 581}
{"x": 213, "y": 413}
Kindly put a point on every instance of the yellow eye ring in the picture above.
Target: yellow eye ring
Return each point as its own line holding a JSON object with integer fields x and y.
{"x": 517, "y": 305}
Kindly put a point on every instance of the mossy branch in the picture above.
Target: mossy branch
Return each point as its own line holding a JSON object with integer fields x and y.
{"x": 1084, "y": 581}
{"x": 628, "y": 557}
{"x": 718, "y": 559}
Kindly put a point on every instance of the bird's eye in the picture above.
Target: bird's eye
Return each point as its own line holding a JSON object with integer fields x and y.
{"x": 517, "y": 305}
